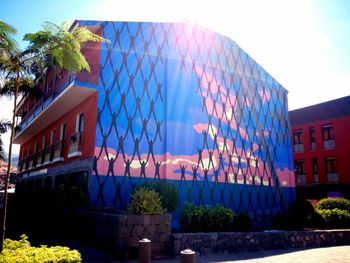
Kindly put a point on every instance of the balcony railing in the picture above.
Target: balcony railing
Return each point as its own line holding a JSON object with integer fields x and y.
{"x": 21, "y": 164}
{"x": 75, "y": 144}
{"x": 299, "y": 148}
{"x": 60, "y": 85}
{"x": 332, "y": 177}
{"x": 301, "y": 178}
{"x": 58, "y": 151}
{"x": 33, "y": 161}
{"x": 313, "y": 146}
{"x": 48, "y": 154}
{"x": 329, "y": 144}
{"x": 40, "y": 158}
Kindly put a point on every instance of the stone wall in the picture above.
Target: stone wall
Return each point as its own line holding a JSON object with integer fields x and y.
{"x": 120, "y": 234}
{"x": 235, "y": 242}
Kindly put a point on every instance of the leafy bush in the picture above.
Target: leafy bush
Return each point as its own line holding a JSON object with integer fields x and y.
{"x": 206, "y": 218}
{"x": 145, "y": 202}
{"x": 333, "y": 203}
{"x": 242, "y": 222}
{"x": 298, "y": 215}
{"x": 168, "y": 193}
{"x": 335, "y": 218}
{"x": 22, "y": 251}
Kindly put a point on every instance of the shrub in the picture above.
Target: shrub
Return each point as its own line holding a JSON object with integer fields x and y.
{"x": 206, "y": 218}
{"x": 145, "y": 202}
{"x": 332, "y": 203}
{"x": 242, "y": 222}
{"x": 22, "y": 251}
{"x": 335, "y": 218}
{"x": 298, "y": 215}
{"x": 168, "y": 193}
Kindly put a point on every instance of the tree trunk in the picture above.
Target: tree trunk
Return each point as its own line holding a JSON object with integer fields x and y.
{"x": 7, "y": 178}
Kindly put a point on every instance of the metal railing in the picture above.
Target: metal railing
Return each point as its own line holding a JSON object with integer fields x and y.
{"x": 58, "y": 150}
{"x": 59, "y": 86}
{"x": 75, "y": 142}
{"x": 299, "y": 148}
{"x": 332, "y": 177}
{"x": 301, "y": 178}
{"x": 329, "y": 144}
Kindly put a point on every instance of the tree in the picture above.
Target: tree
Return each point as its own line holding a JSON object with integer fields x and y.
{"x": 56, "y": 46}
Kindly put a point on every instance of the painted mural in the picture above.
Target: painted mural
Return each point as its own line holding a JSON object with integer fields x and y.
{"x": 181, "y": 103}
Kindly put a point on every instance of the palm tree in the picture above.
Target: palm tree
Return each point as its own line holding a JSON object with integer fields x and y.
{"x": 56, "y": 46}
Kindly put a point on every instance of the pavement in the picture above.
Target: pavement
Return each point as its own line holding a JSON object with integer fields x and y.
{"x": 336, "y": 254}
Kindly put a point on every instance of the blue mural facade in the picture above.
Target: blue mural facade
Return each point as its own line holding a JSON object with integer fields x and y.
{"x": 181, "y": 103}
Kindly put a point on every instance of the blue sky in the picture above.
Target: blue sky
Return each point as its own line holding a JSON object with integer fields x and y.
{"x": 303, "y": 44}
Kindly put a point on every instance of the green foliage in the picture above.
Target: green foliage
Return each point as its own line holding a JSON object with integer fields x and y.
{"x": 242, "y": 222}
{"x": 22, "y": 251}
{"x": 70, "y": 196}
{"x": 146, "y": 202}
{"x": 63, "y": 45}
{"x": 168, "y": 193}
{"x": 333, "y": 203}
{"x": 335, "y": 218}
{"x": 206, "y": 218}
{"x": 296, "y": 217}
{"x": 334, "y": 212}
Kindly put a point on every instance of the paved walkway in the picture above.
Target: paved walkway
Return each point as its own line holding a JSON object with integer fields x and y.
{"x": 339, "y": 254}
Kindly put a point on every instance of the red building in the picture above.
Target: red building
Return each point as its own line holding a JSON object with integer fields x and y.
{"x": 321, "y": 148}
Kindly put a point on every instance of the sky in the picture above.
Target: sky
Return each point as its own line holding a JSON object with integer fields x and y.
{"x": 303, "y": 44}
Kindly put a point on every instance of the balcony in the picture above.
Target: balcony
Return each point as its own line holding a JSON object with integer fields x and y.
{"x": 33, "y": 161}
{"x": 316, "y": 178}
{"x": 75, "y": 145}
{"x": 40, "y": 158}
{"x": 329, "y": 144}
{"x": 299, "y": 148}
{"x": 332, "y": 177}
{"x": 301, "y": 178}
{"x": 51, "y": 107}
{"x": 313, "y": 146}
{"x": 58, "y": 151}
{"x": 48, "y": 153}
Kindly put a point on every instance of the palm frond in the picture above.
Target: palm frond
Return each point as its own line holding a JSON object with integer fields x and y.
{"x": 6, "y": 36}
{"x": 2, "y": 152}
{"x": 4, "y": 126}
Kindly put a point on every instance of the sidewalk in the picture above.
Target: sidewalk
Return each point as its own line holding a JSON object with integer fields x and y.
{"x": 338, "y": 254}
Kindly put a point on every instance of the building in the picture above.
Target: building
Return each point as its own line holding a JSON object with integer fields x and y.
{"x": 321, "y": 148}
{"x": 164, "y": 101}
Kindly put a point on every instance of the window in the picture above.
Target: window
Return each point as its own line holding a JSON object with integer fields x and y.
{"x": 314, "y": 166}
{"x": 36, "y": 146}
{"x": 298, "y": 137}
{"x": 328, "y": 137}
{"x": 44, "y": 143}
{"x": 327, "y": 132}
{"x": 300, "y": 171}
{"x": 28, "y": 150}
{"x": 331, "y": 170}
{"x": 312, "y": 135}
{"x": 331, "y": 165}
{"x": 63, "y": 131}
{"x": 315, "y": 170}
{"x": 298, "y": 141}
{"x": 300, "y": 167}
{"x": 53, "y": 137}
{"x": 80, "y": 123}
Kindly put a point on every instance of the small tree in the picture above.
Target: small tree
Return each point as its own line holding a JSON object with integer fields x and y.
{"x": 56, "y": 46}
